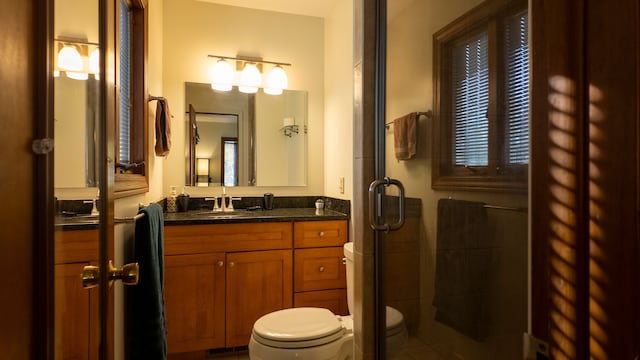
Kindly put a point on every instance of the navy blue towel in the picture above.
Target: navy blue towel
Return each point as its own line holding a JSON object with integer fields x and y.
{"x": 146, "y": 315}
{"x": 463, "y": 259}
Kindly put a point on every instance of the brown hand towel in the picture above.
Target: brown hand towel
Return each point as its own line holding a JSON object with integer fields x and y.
{"x": 163, "y": 128}
{"x": 404, "y": 136}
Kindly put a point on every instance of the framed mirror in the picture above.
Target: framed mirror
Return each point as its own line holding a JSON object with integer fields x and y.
{"x": 238, "y": 139}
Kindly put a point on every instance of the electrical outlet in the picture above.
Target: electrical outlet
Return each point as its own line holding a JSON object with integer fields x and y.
{"x": 534, "y": 348}
{"x": 341, "y": 184}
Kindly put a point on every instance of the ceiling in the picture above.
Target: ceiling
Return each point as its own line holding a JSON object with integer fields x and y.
{"x": 318, "y": 8}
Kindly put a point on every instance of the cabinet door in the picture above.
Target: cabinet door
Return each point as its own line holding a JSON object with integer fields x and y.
{"x": 72, "y": 320}
{"x": 194, "y": 301}
{"x": 258, "y": 283}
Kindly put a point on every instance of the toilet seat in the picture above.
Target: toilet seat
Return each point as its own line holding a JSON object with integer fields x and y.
{"x": 394, "y": 321}
{"x": 298, "y": 328}
{"x": 307, "y": 327}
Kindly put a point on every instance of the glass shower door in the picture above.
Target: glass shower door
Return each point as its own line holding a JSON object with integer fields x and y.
{"x": 450, "y": 199}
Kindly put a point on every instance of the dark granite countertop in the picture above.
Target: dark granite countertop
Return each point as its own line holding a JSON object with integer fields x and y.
{"x": 86, "y": 222}
{"x": 246, "y": 216}
{"x": 78, "y": 222}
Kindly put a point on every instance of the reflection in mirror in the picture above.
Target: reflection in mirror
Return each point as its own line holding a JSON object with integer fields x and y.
{"x": 268, "y": 147}
{"x": 75, "y": 126}
{"x": 76, "y": 93}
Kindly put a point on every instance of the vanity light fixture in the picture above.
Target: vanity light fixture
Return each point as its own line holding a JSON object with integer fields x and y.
{"x": 94, "y": 63}
{"x": 276, "y": 81}
{"x": 72, "y": 59}
{"x": 222, "y": 76}
{"x": 249, "y": 77}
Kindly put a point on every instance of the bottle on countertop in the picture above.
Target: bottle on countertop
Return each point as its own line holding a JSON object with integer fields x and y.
{"x": 172, "y": 200}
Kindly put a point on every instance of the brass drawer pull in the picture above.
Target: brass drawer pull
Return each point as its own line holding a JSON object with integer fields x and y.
{"x": 321, "y": 233}
{"x": 321, "y": 269}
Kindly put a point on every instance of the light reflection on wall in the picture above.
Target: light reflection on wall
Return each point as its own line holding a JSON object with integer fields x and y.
{"x": 597, "y": 257}
{"x": 563, "y": 244}
{"x": 562, "y": 133}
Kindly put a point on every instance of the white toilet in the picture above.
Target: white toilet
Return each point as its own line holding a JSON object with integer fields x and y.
{"x": 317, "y": 333}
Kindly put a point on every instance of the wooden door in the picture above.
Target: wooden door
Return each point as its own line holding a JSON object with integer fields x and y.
{"x": 585, "y": 165}
{"x": 258, "y": 283}
{"x": 194, "y": 301}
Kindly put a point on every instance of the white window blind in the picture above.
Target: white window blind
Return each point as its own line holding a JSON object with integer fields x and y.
{"x": 230, "y": 162}
{"x": 470, "y": 80}
{"x": 125, "y": 85}
{"x": 517, "y": 90}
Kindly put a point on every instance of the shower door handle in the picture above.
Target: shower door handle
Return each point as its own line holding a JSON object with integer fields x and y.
{"x": 375, "y": 205}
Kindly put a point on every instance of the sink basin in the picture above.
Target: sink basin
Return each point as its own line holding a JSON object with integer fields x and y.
{"x": 218, "y": 214}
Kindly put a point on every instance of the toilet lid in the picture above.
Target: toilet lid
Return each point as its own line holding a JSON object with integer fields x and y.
{"x": 298, "y": 324}
{"x": 395, "y": 321}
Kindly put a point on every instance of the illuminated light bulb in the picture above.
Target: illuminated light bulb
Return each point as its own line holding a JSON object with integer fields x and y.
{"x": 222, "y": 76}
{"x": 69, "y": 59}
{"x": 250, "y": 79}
{"x": 276, "y": 81}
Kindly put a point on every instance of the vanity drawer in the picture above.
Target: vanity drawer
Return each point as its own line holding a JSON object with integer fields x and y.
{"x": 319, "y": 269}
{"x": 319, "y": 233}
{"x": 197, "y": 239}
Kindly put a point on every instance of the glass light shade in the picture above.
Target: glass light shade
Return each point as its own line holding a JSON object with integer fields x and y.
{"x": 94, "y": 61}
{"x": 276, "y": 81}
{"x": 250, "y": 79}
{"x": 76, "y": 75}
{"x": 203, "y": 166}
{"x": 69, "y": 59}
{"x": 222, "y": 76}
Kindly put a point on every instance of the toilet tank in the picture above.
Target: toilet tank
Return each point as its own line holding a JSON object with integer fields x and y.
{"x": 348, "y": 254}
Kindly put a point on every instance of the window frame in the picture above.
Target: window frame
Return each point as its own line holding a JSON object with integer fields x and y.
{"x": 489, "y": 16}
{"x": 136, "y": 180}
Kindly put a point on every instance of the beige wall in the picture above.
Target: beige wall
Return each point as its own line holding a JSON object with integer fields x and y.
{"x": 338, "y": 151}
{"x": 410, "y": 88}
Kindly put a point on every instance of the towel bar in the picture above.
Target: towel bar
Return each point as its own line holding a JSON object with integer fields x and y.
{"x": 128, "y": 219}
{"x": 427, "y": 113}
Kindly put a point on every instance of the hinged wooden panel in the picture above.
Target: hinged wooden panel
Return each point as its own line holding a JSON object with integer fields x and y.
{"x": 192, "y": 239}
{"x": 320, "y": 233}
{"x": 195, "y": 301}
{"x": 76, "y": 246}
{"x": 319, "y": 269}
{"x": 72, "y": 316}
{"x": 258, "y": 283}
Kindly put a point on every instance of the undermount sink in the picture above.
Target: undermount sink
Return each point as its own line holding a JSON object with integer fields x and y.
{"x": 219, "y": 214}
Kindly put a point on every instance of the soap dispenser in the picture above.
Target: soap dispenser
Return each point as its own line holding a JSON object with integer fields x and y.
{"x": 172, "y": 200}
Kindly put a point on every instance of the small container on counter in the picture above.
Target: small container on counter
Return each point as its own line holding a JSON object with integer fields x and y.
{"x": 183, "y": 201}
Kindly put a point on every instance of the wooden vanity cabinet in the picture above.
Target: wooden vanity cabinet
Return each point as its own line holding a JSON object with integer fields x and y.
{"x": 319, "y": 271}
{"x": 258, "y": 282}
{"x": 76, "y": 309}
{"x": 220, "y": 278}
{"x": 195, "y": 301}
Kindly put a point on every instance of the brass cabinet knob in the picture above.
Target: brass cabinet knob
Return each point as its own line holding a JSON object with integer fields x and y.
{"x": 220, "y": 263}
{"x": 232, "y": 264}
{"x": 128, "y": 274}
{"x": 321, "y": 269}
{"x": 321, "y": 233}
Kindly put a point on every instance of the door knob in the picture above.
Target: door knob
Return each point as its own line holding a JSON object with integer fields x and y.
{"x": 128, "y": 274}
